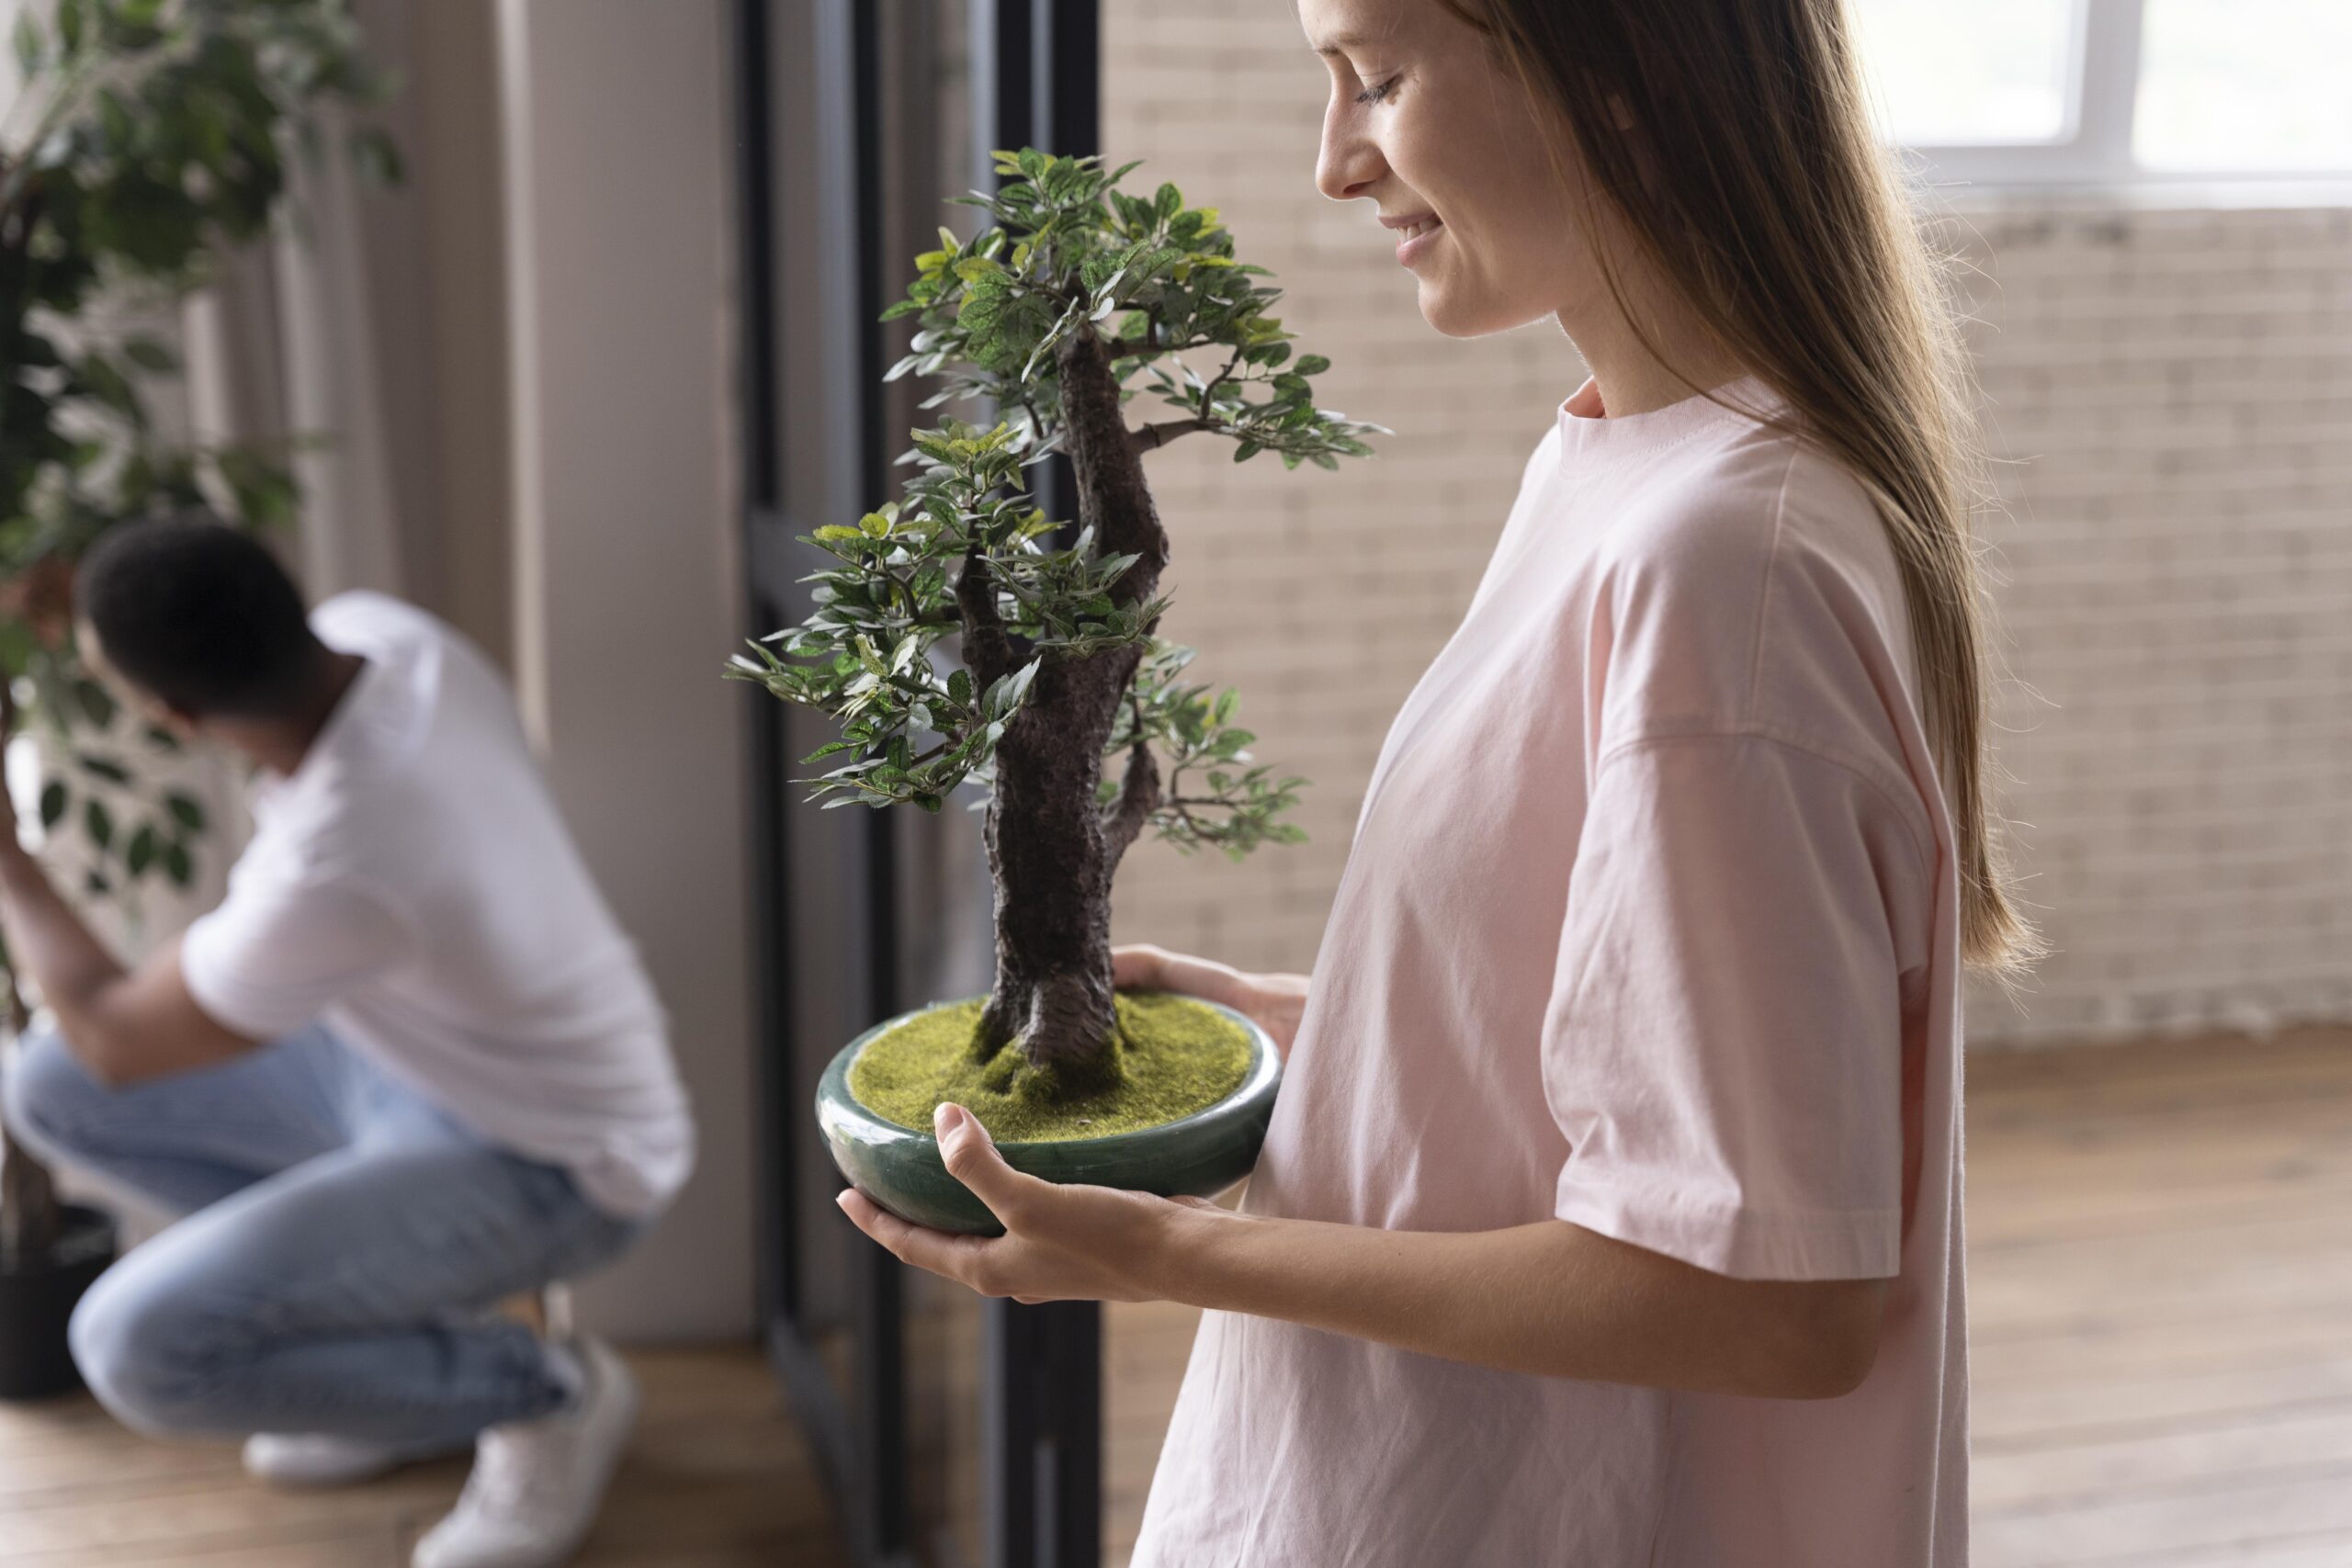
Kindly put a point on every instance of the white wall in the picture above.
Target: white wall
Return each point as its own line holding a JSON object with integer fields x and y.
{"x": 561, "y": 419}
{"x": 619, "y": 304}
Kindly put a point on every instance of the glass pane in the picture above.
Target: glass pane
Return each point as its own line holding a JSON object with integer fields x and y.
{"x": 1946, "y": 74}
{"x": 2245, "y": 85}
{"x": 945, "y": 902}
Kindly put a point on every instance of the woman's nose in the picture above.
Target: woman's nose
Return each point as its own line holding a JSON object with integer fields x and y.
{"x": 1348, "y": 165}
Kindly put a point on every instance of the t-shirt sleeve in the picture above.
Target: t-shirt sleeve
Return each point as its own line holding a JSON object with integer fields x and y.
{"x": 1724, "y": 1043}
{"x": 274, "y": 954}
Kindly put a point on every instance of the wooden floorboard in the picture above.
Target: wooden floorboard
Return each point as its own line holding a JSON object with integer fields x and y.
{"x": 2160, "y": 1281}
{"x": 2160, "y": 1278}
{"x": 715, "y": 1478}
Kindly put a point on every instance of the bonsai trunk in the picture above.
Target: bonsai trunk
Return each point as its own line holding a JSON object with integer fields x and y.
{"x": 1052, "y": 850}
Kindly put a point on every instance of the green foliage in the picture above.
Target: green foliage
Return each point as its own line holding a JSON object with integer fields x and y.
{"x": 1230, "y": 807}
{"x": 1069, "y": 251}
{"x": 1069, "y": 246}
{"x": 148, "y": 136}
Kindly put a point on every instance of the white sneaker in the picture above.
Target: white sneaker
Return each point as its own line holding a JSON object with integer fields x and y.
{"x": 313, "y": 1458}
{"x": 536, "y": 1484}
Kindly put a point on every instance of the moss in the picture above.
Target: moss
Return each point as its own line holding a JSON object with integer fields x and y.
{"x": 1170, "y": 1057}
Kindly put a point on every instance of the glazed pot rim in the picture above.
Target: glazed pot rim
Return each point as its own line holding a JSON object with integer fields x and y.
{"x": 836, "y": 1105}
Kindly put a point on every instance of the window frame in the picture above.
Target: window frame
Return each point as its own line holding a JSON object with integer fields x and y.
{"x": 2093, "y": 144}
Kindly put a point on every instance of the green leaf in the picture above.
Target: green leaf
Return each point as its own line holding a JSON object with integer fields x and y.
{"x": 55, "y": 799}
{"x": 150, "y": 354}
{"x": 186, "y": 812}
{"x": 104, "y": 767}
{"x": 143, "y": 851}
{"x": 1311, "y": 364}
{"x": 107, "y": 384}
{"x": 375, "y": 155}
{"x": 98, "y": 822}
{"x": 28, "y": 43}
{"x": 178, "y": 865}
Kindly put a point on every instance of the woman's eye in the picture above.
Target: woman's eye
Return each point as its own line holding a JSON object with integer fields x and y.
{"x": 1376, "y": 94}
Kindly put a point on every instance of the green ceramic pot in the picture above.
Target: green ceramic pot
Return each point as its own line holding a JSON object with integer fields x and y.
{"x": 1199, "y": 1156}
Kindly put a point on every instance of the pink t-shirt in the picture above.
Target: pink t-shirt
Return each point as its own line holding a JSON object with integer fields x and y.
{"x": 1650, "y": 923}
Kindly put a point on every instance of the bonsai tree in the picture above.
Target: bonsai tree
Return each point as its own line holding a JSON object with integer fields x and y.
{"x": 145, "y": 135}
{"x": 1064, "y": 703}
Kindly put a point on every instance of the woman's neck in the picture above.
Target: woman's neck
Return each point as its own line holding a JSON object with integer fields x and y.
{"x": 1670, "y": 357}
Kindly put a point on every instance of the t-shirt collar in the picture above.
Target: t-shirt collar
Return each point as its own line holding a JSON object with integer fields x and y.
{"x": 1587, "y": 433}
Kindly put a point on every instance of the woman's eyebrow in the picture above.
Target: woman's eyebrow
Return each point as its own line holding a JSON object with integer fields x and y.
{"x": 1340, "y": 41}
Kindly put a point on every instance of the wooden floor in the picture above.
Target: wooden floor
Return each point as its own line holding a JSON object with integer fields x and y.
{"x": 2160, "y": 1278}
{"x": 715, "y": 1478}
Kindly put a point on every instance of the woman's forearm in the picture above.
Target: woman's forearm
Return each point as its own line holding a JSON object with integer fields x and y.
{"x": 1551, "y": 1298}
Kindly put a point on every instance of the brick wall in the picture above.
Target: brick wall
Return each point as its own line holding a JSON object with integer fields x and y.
{"x": 2170, "y": 398}
{"x": 2178, "y": 387}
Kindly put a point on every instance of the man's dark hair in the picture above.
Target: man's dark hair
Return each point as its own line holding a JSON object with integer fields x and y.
{"x": 200, "y": 615}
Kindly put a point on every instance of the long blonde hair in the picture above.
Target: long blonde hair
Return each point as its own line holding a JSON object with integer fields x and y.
{"x": 1754, "y": 182}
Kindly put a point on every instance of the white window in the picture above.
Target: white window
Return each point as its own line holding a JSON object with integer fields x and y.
{"x": 2108, "y": 92}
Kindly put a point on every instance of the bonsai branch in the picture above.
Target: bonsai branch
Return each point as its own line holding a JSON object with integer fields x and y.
{"x": 1156, "y": 435}
{"x": 1208, "y": 393}
{"x": 1138, "y": 798}
{"x": 988, "y": 652}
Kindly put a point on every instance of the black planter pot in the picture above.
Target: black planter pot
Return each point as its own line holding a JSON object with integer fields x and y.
{"x": 37, "y": 1297}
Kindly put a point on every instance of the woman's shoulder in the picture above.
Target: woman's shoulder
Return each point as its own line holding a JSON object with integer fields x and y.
{"x": 1755, "y": 589}
{"x": 1730, "y": 501}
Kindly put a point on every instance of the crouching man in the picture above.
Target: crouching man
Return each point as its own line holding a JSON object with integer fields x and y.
{"x": 409, "y": 1067}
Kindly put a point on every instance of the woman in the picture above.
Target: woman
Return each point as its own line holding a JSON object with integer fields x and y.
{"x": 1611, "y": 1213}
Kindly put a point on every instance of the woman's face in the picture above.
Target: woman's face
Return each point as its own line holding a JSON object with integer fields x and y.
{"x": 1423, "y": 123}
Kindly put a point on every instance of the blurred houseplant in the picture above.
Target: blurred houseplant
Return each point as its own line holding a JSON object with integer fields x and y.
{"x": 145, "y": 135}
{"x": 1062, "y": 700}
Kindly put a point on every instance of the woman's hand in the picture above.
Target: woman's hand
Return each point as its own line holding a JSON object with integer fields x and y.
{"x": 1061, "y": 1243}
{"x": 1275, "y": 1003}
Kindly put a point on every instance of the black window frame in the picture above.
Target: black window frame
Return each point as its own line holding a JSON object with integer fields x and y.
{"x": 1034, "y": 81}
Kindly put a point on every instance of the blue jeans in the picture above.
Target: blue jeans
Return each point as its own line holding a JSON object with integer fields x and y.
{"x": 344, "y": 1239}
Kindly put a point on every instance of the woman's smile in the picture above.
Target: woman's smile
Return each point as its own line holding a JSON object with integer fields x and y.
{"x": 1415, "y": 235}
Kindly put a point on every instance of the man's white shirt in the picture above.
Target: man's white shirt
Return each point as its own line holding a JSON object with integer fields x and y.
{"x": 412, "y": 885}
